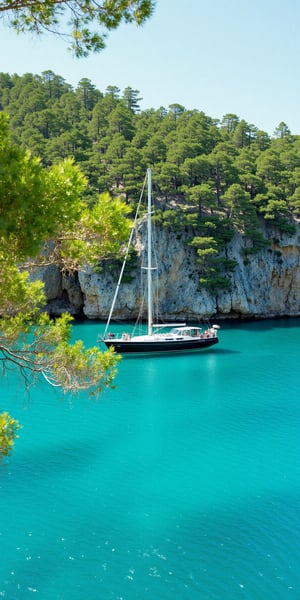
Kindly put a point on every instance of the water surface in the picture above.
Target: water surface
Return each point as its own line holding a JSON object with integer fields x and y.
{"x": 182, "y": 484}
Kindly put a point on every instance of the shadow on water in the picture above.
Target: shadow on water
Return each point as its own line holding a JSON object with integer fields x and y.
{"x": 64, "y": 458}
{"x": 258, "y": 325}
{"x": 227, "y": 351}
{"x": 168, "y": 355}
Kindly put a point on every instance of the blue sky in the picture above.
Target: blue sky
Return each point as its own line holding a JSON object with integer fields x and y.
{"x": 218, "y": 56}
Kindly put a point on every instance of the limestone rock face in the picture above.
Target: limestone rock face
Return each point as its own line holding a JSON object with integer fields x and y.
{"x": 63, "y": 292}
{"x": 265, "y": 285}
{"x": 268, "y": 285}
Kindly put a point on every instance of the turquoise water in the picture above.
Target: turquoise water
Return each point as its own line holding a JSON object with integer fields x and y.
{"x": 181, "y": 484}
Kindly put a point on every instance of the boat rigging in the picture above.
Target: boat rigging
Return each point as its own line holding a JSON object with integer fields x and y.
{"x": 175, "y": 337}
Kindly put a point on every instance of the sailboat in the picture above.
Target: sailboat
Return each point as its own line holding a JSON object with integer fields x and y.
{"x": 160, "y": 338}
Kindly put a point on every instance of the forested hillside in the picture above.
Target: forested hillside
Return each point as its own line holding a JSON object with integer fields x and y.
{"x": 210, "y": 176}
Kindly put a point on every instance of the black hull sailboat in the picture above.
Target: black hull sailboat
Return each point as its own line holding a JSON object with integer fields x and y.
{"x": 162, "y": 338}
{"x": 158, "y": 345}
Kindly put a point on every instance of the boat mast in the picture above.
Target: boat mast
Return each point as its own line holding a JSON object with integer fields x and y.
{"x": 149, "y": 250}
{"x": 125, "y": 258}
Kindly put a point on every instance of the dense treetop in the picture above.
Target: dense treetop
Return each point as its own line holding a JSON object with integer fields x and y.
{"x": 213, "y": 176}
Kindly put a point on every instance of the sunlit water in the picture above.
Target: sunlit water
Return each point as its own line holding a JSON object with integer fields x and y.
{"x": 181, "y": 484}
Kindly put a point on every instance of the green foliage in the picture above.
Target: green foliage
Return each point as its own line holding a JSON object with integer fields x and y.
{"x": 78, "y": 17}
{"x": 257, "y": 239}
{"x": 38, "y": 204}
{"x": 168, "y": 218}
{"x": 34, "y": 201}
{"x": 210, "y": 177}
{"x": 73, "y": 176}
{"x": 17, "y": 293}
{"x": 42, "y": 348}
{"x": 213, "y": 266}
{"x": 8, "y": 433}
{"x": 214, "y": 283}
{"x": 212, "y": 225}
{"x": 96, "y": 234}
{"x": 202, "y": 196}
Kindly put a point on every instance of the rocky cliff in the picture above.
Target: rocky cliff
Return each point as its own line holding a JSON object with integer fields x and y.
{"x": 266, "y": 285}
